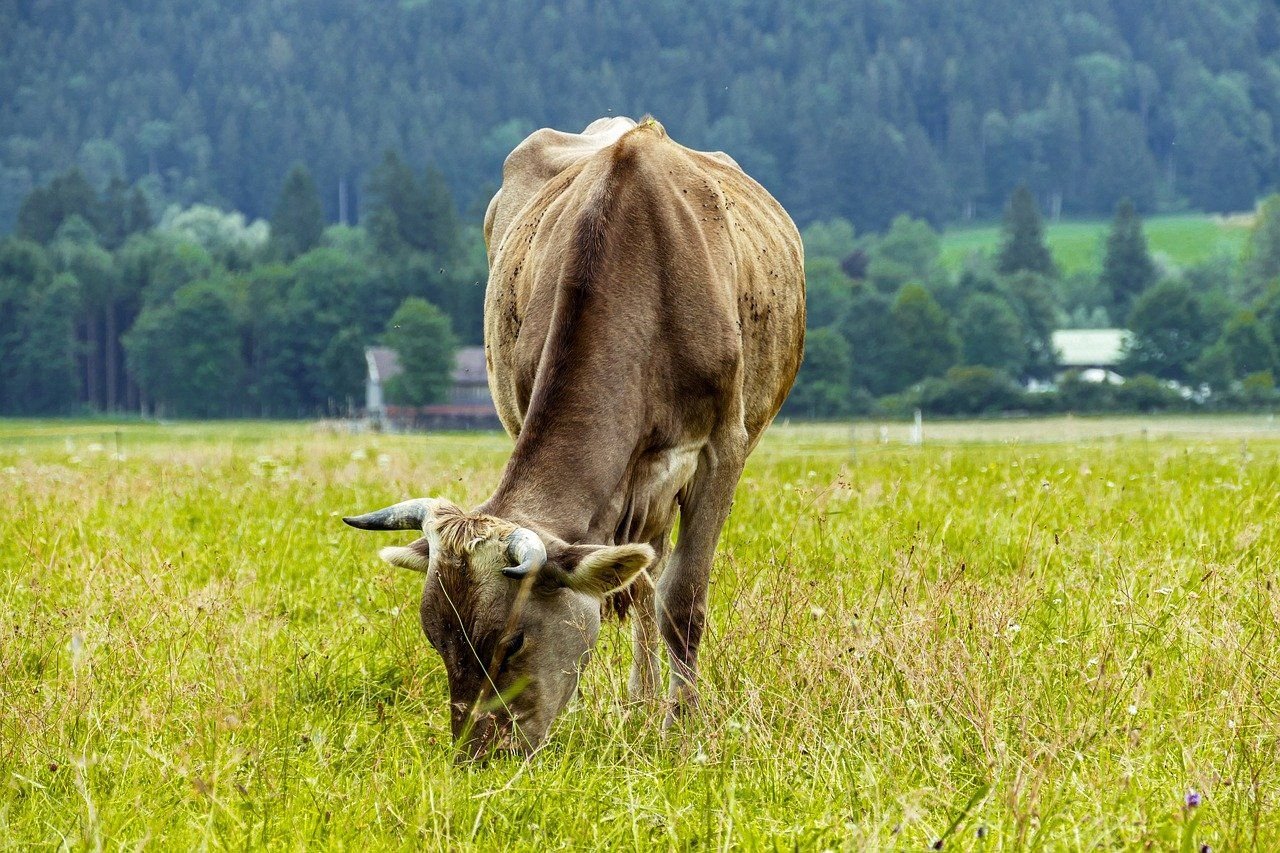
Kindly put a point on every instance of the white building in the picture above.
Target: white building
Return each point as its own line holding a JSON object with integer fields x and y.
{"x": 1095, "y": 353}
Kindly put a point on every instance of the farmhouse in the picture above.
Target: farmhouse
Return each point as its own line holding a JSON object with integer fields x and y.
{"x": 1095, "y": 353}
{"x": 469, "y": 405}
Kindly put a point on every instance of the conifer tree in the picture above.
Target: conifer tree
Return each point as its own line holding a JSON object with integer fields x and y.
{"x": 299, "y": 216}
{"x": 442, "y": 237}
{"x": 1022, "y": 246}
{"x": 397, "y": 217}
{"x": 139, "y": 216}
{"x": 1127, "y": 270}
{"x": 45, "y": 209}
{"x": 1262, "y": 253}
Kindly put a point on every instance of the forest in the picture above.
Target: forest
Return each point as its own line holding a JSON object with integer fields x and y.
{"x": 860, "y": 110}
{"x": 213, "y": 208}
{"x": 206, "y": 314}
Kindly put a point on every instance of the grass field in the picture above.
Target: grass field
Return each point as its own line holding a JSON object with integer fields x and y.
{"x": 1079, "y": 246}
{"x": 1028, "y": 634}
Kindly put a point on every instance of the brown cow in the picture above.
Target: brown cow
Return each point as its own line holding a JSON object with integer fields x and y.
{"x": 644, "y": 321}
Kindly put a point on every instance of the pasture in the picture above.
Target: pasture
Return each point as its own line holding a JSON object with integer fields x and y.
{"x": 1079, "y": 245}
{"x": 1039, "y": 634}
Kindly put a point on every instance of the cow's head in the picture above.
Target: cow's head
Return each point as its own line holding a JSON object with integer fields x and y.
{"x": 513, "y": 614}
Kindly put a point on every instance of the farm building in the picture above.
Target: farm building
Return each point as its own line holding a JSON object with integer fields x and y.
{"x": 1095, "y": 353}
{"x": 469, "y": 405}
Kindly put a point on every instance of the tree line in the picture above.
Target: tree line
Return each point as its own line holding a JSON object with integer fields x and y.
{"x": 932, "y": 109}
{"x": 890, "y": 330}
{"x": 203, "y": 313}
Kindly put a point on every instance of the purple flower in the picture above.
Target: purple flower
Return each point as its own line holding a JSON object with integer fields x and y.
{"x": 1193, "y": 798}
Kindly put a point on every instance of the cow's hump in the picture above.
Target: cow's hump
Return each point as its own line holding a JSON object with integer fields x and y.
{"x": 540, "y": 157}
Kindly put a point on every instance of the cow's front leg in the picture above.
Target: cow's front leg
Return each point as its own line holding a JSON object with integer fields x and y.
{"x": 645, "y": 668}
{"x": 682, "y": 589}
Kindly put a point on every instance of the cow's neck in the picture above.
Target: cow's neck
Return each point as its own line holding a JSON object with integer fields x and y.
{"x": 585, "y": 423}
{"x": 582, "y": 429}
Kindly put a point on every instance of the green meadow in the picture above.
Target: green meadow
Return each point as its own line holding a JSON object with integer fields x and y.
{"x": 1079, "y": 246}
{"x": 1022, "y": 634}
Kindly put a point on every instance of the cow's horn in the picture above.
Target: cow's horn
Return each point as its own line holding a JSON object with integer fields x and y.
{"x": 526, "y": 551}
{"x": 406, "y": 515}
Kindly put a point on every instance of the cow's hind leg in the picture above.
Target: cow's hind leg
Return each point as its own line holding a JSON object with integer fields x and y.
{"x": 682, "y": 588}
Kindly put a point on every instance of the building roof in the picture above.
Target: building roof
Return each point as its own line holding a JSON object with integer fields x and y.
{"x": 468, "y": 365}
{"x": 1089, "y": 347}
{"x": 383, "y": 363}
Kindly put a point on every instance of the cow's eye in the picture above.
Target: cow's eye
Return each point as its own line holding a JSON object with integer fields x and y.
{"x": 510, "y": 649}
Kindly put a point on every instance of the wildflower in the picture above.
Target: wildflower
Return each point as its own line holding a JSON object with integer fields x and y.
{"x": 1193, "y": 798}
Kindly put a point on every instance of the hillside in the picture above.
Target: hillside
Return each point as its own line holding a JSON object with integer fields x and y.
{"x": 861, "y": 110}
{"x": 1077, "y": 246}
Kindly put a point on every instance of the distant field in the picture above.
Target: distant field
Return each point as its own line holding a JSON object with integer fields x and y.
{"x": 1025, "y": 634}
{"x": 1079, "y": 246}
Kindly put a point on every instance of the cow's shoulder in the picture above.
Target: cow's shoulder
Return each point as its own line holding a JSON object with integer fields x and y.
{"x": 537, "y": 160}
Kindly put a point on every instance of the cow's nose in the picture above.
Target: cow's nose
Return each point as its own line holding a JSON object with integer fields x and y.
{"x": 476, "y": 741}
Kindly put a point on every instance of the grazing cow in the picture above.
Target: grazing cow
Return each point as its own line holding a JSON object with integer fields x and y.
{"x": 644, "y": 321}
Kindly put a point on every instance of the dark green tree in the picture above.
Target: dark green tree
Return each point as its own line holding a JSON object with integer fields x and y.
{"x": 1248, "y": 343}
{"x": 970, "y": 390}
{"x": 1170, "y": 331}
{"x": 44, "y": 369}
{"x": 867, "y": 326}
{"x": 1262, "y": 252}
{"x": 828, "y": 292}
{"x": 1214, "y": 368}
{"x": 319, "y": 312}
{"x": 45, "y": 209}
{"x": 909, "y": 251}
{"x": 822, "y": 387}
{"x": 1032, "y": 298}
{"x": 441, "y": 236}
{"x": 1022, "y": 244}
{"x": 924, "y": 342}
{"x": 186, "y": 355}
{"x": 1127, "y": 268}
{"x": 421, "y": 336}
{"x": 992, "y": 334}
{"x": 399, "y": 213}
{"x": 298, "y": 222}
{"x": 37, "y": 336}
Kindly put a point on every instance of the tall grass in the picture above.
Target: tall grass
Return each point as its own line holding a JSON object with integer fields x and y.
{"x": 993, "y": 645}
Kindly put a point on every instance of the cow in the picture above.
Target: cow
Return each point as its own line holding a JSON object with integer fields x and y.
{"x": 644, "y": 321}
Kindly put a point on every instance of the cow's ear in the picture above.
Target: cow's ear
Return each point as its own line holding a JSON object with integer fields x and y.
{"x": 415, "y": 557}
{"x": 600, "y": 569}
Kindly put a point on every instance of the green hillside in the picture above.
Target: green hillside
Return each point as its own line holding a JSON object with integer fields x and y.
{"x": 860, "y": 110}
{"x": 1077, "y": 246}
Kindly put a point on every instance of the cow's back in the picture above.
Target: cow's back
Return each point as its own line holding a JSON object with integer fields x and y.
{"x": 704, "y": 278}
